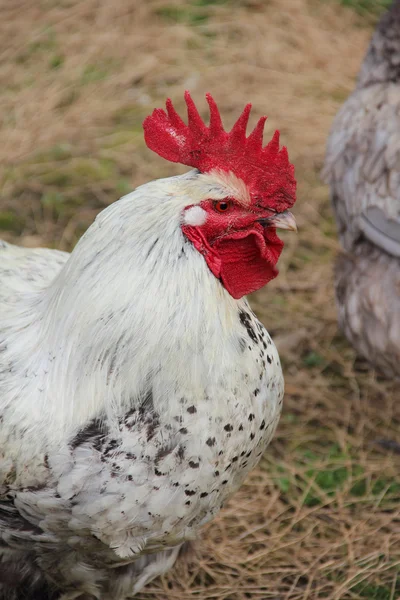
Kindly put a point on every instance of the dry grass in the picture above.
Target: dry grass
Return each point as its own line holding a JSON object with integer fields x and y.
{"x": 320, "y": 518}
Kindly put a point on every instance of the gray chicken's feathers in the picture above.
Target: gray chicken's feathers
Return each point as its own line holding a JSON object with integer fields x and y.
{"x": 362, "y": 168}
{"x": 362, "y": 164}
{"x": 367, "y": 286}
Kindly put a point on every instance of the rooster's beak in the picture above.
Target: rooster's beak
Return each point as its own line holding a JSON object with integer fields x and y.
{"x": 283, "y": 220}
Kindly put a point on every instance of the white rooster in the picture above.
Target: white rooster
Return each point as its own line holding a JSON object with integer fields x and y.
{"x": 137, "y": 388}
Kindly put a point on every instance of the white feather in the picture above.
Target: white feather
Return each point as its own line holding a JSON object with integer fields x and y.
{"x": 195, "y": 216}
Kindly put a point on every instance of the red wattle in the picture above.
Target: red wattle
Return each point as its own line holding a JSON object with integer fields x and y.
{"x": 247, "y": 264}
{"x": 244, "y": 261}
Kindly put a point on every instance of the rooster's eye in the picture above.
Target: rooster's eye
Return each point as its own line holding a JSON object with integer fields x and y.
{"x": 222, "y": 205}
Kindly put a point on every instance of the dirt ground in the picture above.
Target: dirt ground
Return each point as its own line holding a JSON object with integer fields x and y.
{"x": 320, "y": 517}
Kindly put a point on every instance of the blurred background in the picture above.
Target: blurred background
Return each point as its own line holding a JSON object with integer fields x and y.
{"x": 320, "y": 517}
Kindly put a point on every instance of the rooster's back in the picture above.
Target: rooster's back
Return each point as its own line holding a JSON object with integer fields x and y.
{"x": 26, "y": 270}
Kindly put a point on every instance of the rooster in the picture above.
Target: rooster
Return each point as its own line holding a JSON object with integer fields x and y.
{"x": 362, "y": 166}
{"x": 137, "y": 388}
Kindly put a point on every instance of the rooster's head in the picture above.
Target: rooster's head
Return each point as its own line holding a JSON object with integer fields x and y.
{"x": 243, "y": 192}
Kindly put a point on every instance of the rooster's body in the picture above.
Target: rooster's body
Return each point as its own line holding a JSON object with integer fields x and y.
{"x": 135, "y": 395}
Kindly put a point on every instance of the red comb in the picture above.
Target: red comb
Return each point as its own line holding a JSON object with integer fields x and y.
{"x": 266, "y": 170}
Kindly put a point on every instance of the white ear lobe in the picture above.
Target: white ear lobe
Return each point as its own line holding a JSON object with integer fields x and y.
{"x": 195, "y": 216}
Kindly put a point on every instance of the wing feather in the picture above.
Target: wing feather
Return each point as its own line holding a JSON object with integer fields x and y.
{"x": 362, "y": 167}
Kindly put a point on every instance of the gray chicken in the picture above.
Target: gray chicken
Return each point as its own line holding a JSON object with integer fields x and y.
{"x": 362, "y": 167}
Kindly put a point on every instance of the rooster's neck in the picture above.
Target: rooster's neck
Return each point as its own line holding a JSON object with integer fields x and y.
{"x": 133, "y": 297}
